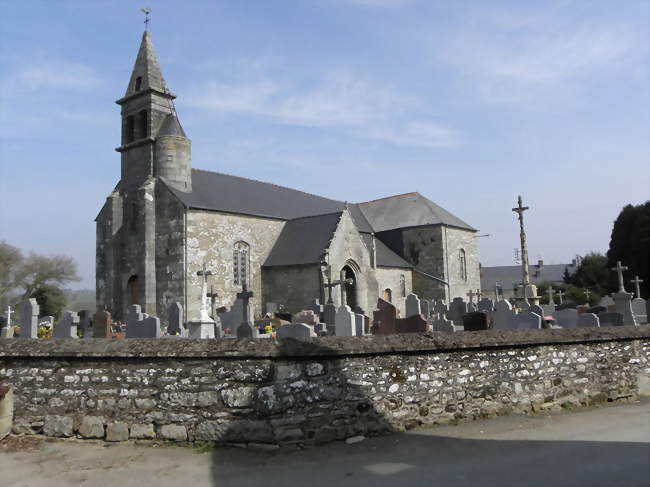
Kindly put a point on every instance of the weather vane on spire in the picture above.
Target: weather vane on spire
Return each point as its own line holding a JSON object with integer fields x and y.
{"x": 146, "y": 12}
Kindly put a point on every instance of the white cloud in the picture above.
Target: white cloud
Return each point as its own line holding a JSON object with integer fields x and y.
{"x": 48, "y": 74}
{"x": 341, "y": 101}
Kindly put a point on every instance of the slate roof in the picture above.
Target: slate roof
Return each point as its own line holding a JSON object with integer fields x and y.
{"x": 407, "y": 210}
{"x": 509, "y": 276}
{"x": 303, "y": 240}
{"x": 171, "y": 126}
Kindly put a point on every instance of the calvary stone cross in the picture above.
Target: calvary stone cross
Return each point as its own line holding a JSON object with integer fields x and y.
{"x": 587, "y": 292}
{"x": 619, "y": 269}
{"x": 524, "y": 248}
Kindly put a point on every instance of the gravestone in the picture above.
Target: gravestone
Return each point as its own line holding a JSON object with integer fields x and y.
{"x": 608, "y": 303}
{"x": 442, "y": 324}
{"x": 588, "y": 320}
{"x": 247, "y": 330}
{"x": 295, "y": 330}
{"x": 134, "y": 319}
{"x": 537, "y": 309}
{"x": 345, "y": 322}
{"x": 320, "y": 329}
{"x": 305, "y": 316}
{"x": 501, "y": 315}
{"x": 359, "y": 324}
{"x": 175, "y": 325}
{"x": 486, "y": 304}
{"x": 329, "y": 316}
{"x": 441, "y": 308}
{"x": 425, "y": 306}
{"x": 413, "y": 305}
{"x": 597, "y": 310}
{"x": 150, "y": 327}
{"x": 566, "y": 318}
{"x": 623, "y": 302}
{"x": 525, "y": 321}
{"x": 29, "y": 310}
{"x": 102, "y": 324}
{"x": 566, "y": 305}
{"x": 67, "y": 325}
{"x": 412, "y": 324}
{"x": 7, "y": 332}
{"x": 611, "y": 318}
{"x": 271, "y": 308}
{"x": 639, "y": 310}
{"x": 86, "y": 323}
{"x": 317, "y": 308}
{"x": 385, "y": 317}
{"x": 475, "y": 321}
{"x": 457, "y": 309}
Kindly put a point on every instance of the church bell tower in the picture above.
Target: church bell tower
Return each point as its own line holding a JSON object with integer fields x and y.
{"x": 153, "y": 143}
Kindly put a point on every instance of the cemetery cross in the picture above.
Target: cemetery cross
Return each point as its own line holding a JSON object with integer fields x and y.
{"x": 524, "y": 249}
{"x": 245, "y": 295}
{"x": 619, "y": 269}
{"x": 205, "y": 274}
{"x": 636, "y": 281}
{"x": 587, "y": 292}
{"x": 560, "y": 295}
{"x": 10, "y": 311}
{"x": 550, "y": 292}
{"x": 496, "y": 292}
{"x": 213, "y": 301}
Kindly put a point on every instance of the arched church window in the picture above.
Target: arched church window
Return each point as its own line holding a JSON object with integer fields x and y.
{"x": 402, "y": 285}
{"x": 129, "y": 134}
{"x": 462, "y": 261}
{"x": 138, "y": 83}
{"x": 240, "y": 263}
{"x": 143, "y": 123}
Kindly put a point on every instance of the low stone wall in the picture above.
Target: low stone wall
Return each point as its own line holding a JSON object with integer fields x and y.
{"x": 271, "y": 392}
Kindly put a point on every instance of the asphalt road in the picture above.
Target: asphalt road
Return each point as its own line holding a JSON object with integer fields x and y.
{"x": 607, "y": 446}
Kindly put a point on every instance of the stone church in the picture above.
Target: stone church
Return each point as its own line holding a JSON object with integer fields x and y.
{"x": 165, "y": 221}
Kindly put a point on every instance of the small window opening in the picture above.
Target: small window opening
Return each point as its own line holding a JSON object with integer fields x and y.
{"x": 130, "y": 129}
{"x": 138, "y": 83}
{"x": 463, "y": 264}
{"x": 402, "y": 285}
{"x": 143, "y": 124}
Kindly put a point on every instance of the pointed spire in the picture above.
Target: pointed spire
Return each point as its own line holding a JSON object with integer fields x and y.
{"x": 146, "y": 71}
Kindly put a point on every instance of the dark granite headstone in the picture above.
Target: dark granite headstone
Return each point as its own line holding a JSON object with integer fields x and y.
{"x": 412, "y": 324}
{"x": 384, "y": 318}
{"x": 611, "y": 318}
{"x": 475, "y": 321}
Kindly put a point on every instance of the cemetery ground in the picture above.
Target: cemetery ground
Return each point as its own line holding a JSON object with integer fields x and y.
{"x": 602, "y": 446}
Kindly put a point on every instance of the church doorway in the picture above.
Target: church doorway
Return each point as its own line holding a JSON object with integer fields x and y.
{"x": 388, "y": 295}
{"x": 350, "y": 287}
{"x": 132, "y": 294}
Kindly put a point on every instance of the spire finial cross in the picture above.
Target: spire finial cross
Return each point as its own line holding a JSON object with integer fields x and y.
{"x": 146, "y": 11}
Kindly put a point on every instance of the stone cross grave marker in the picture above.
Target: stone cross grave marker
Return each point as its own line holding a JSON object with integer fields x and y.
{"x": 587, "y": 293}
{"x": 29, "y": 319}
{"x": 637, "y": 288}
{"x": 525, "y": 321}
{"x": 345, "y": 323}
{"x": 588, "y": 320}
{"x": 175, "y": 324}
{"x": 550, "y": 292}
{"x": 566, "y": 318}
{"x": 213, "y": 295}
{"x": 611, "y": 318}
{"x": 413, "y": 305}
{"x": 67, "y": 325}
{"x": 102, "y": 324}
{"x": 295, "y": 330}
{"x": 134, "y": 319}
{"x": 560, "y": 295}
{"x": 619, "y": 270}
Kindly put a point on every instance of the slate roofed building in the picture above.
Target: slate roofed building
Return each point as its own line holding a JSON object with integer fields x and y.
{"x": 165, "y": 220}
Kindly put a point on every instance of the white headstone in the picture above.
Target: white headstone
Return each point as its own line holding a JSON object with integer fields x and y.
{"x": 67, "y": 325}
{"x": 639, "y": 310}
{"x": 345, "y": 323}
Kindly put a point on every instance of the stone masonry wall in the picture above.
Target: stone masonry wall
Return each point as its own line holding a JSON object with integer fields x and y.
{"x": 314, "y": 390}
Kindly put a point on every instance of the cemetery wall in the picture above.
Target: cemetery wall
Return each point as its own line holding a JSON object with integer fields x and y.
{"x": 293, "y": 286}
{"x": 314, "y": 390}
{"x": 211, "y": 237}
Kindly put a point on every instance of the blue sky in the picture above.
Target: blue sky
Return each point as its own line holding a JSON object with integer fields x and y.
{"x": 468, "y": 102}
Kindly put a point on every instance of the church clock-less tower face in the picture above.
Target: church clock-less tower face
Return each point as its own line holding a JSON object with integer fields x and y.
{"x": 153, "y": 143}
